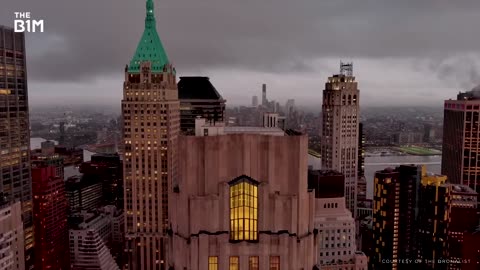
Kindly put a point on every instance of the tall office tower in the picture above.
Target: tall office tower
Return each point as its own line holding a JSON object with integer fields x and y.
{"x": 339, "y": 143}
{"x": 448, "y": 220}
{"x": 394, "y": 215}
{"x": 198, "y": 98}
{"x": 242, "y": 202}
{"x": 15, "y": 181}
{"x": 460, "y": 152}
{"x": 12, "y": 240}
{"x": 264, "y": 95}
{"x": 50, "y": 219}
{"x": 151, "y": 113}
{"x": 255, "y": 101}
{"x": 433, "y": 221}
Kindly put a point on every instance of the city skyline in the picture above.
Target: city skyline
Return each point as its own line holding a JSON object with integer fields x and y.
{"x": 232, "y": 49}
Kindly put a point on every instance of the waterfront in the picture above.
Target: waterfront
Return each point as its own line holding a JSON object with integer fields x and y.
{"x": 377, "y": 163}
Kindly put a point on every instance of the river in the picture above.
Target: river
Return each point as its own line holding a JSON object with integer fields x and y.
{"x": 377, "y": 163}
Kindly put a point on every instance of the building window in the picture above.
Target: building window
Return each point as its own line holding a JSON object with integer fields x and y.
{"x": 213, "y": 263}
{"x": 274, "y": 262}
{"x": 253, "y": 263}
{"x": 234, "y": 263}
{"x": 244, "y": 209}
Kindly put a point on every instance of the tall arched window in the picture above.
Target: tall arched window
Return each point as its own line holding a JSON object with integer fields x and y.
{"x": 243, "y": 209}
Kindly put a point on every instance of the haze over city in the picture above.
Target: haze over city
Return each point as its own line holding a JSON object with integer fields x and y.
{"x": 419, "y": 52}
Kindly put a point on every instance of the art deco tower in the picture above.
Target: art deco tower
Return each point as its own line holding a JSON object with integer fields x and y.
{"x": 150, "y": 109}
{"x": 339, "y": 145}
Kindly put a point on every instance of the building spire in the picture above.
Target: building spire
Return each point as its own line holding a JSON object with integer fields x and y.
{"x": 150, "y": 48}
{"x": 150, "y": 15}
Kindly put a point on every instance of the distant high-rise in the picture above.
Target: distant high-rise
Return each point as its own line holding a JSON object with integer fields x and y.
{"x": 339, "y": 143}
{"x": 151, "y": 114}
{"x": 198, "y": 98}
{"x": 264, "y": 95}
{"x": 395, "y": 212}
{"x": 254, "y": 101}
{"x": 15, "y": 181}
{"x": 50, "y": 219}
{"x": 461, "y": 129}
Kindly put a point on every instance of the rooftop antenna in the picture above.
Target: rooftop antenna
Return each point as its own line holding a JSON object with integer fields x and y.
{"x": 346, "y": 69}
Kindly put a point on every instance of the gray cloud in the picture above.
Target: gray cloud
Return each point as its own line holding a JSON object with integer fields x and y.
{"x": 272, "y": 35}
{"x": 87, "y": 43}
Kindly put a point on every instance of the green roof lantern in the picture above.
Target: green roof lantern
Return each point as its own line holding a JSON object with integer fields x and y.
{"x": 150, "y": 48}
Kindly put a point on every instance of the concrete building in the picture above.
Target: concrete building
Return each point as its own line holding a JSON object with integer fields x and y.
{"x": 243, "y": 203}
{"x": 151, "y": 117}
{"x": 108, "y": 170}
{"x": 461, "y": 125}
{"x": 336, "y": 236}
{"x": 48, "y": 159}
{"x": 199, "y": 98}
{"x": 334, "y": 223}
{"x": 15, "y": 181}
{"x": 50, "y": 208}
{"x": 92, "y": 239}
{"x": 395, "y": 213}
{"x": 83, "y": 193}
{"x": 339, "y": 136}
{"x": 12, "y": 242}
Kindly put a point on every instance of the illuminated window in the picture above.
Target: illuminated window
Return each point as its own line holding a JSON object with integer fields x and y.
{"x": 274, "y": 262}
{"x": 244, "y": 209}
{"x": 234, "y": 263}
{"x": 213, "y": 263}
{"x": 253, "y": 263}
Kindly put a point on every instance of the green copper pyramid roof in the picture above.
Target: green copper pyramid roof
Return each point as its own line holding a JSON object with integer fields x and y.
{"x": 150, "y": 47}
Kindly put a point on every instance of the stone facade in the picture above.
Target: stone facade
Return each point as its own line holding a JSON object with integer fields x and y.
{"x": 280, "y": 234}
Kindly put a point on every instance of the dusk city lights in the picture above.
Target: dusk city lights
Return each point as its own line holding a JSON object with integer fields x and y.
{"x": 239, "y": 135}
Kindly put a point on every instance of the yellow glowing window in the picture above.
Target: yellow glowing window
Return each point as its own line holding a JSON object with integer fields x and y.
{"x": 274, "y": 262}
{"x": 213, "y": 263}
{"x": 253, "y": 263}
{"x": 234, "y": 263}
{"x": 244, "y": 209}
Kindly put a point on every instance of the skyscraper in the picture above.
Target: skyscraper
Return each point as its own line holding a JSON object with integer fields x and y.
{"x": 15, "y": 181}
{"x": 151, "y": 114}
{"x": 394, "y": 215}
{"x": 264, "y": 95}
{"x": 339, "y": 144}
{"x": 50, "y": 219}
{"x": 198, "y": 98}
{"x": 255, "y": 101}
{"x": 461, "y": 127}
{"x": 242, "y": 202}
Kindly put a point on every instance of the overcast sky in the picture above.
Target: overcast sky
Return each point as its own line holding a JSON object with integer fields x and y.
{"x": 408, "y": 52}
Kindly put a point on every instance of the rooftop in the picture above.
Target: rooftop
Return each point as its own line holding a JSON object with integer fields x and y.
{"x": 255, "y": 130}
{"x": 197, "y": 88}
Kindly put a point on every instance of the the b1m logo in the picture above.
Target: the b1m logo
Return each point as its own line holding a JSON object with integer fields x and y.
{"x": 24, "y": 23}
